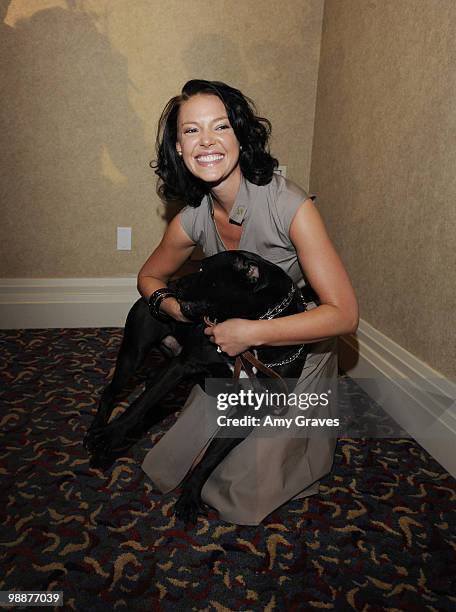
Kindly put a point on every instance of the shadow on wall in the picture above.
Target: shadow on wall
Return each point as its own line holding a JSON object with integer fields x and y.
{"x": 74, "y": 155}
{"x": 218, "y": 48}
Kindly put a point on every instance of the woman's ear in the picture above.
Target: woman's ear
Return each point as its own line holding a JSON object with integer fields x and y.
{"x": 178, "y": 148}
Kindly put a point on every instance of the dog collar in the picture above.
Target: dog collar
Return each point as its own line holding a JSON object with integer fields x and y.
{"x": 287, "y": 360}
{"x": 270, "y": 314}
{"x": 278, "y": 308}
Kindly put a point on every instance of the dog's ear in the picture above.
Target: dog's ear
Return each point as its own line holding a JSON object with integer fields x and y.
{"x": 251, "y": 271}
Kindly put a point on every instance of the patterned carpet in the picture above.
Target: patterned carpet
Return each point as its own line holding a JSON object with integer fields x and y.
{"x": 380, "y": 536}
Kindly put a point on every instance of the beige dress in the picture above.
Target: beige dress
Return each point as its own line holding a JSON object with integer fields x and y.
{"x": 263, "y": 471}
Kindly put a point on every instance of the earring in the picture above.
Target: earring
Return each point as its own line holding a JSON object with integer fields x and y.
{"x": 179, "y": 153}
{"x": 240, "y": 147}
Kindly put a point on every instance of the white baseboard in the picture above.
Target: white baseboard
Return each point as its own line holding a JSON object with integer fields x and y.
{"x": 66, "y": 302}
{"x": 417, "y": 397}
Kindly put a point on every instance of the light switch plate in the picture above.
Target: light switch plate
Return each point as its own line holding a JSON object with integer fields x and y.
{"x": 124, "y": 238}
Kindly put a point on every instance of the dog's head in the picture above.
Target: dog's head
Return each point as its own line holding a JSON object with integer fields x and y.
{"x": 231, "y": 284}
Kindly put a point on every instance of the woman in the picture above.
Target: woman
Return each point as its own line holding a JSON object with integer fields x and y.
{"x": 213, "y": 154}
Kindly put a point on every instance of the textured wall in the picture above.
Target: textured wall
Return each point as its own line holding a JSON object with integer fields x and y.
{"x": 384, "y": 160}
{"x": 83, "y": 84}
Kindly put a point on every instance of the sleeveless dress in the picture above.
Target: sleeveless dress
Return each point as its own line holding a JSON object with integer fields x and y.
{"x": 262, "y": 472}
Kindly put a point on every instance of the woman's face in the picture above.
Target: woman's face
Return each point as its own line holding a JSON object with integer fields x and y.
{"x": 209, "y": 147}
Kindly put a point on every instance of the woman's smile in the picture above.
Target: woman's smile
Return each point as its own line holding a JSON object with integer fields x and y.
{"x": 206, "y": 140}
{"x": 208, "y": 160}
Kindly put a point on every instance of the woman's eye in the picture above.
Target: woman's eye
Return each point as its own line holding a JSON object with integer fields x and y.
{"x": 189, "y": 130}
{"x": 223, "y": 127}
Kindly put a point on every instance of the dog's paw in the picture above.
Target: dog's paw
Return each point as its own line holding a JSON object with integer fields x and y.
{"x": 95, "y": 440}
{"x": 91, "y": 438}
{"x": 92, "y": 433}
{"x": 105, "y": 440}
{"x": 189, "y": 506}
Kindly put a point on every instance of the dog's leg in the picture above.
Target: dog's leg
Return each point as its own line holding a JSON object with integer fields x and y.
{"x": 189, "y": 504}
{"x": 117, "y": 434}
{"x": 141, "y": 332}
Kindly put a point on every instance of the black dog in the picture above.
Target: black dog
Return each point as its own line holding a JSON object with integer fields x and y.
{"x": 228, "y": 285}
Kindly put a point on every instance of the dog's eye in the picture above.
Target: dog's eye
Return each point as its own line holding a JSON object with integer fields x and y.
{"x": 201, "y": 269}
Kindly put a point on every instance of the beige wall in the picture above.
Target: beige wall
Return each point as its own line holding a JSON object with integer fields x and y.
{"x": 83, "y": 83}
{"x": 384, "y": 160}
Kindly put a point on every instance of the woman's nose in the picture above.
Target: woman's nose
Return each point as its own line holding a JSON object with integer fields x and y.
{"x": 207, "y": 138}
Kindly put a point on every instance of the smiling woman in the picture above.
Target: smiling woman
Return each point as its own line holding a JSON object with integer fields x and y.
{"x": 212, "y": 154}
{"x": 209, "y": 109}
{"x": 207, "y": 142}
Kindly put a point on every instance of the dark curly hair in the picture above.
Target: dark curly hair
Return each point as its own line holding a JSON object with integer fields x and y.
{"x": 256, "y": 163}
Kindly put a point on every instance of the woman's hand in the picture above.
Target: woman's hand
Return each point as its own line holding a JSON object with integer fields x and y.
{"x": 233, "y": 336}
{"x": 171, "y": 307}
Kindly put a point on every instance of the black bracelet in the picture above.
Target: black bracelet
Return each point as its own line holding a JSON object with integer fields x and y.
{"x": 156, "y": 299}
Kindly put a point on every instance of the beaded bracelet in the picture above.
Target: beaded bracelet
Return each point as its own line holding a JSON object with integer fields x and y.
{"x": 156, "y": 299}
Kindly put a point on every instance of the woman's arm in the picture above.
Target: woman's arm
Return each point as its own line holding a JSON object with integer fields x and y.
{"x": 338, "y": 313}
{"x": 174, "y": 249}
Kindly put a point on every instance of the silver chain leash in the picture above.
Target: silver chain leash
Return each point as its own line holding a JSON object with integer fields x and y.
{"x": 273, "y": 312}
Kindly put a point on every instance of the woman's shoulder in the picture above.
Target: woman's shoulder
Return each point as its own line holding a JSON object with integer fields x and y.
{"x": 285, "y": 197}
{"x": 286, "y": 189}
{"x": 193, "y": 219}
